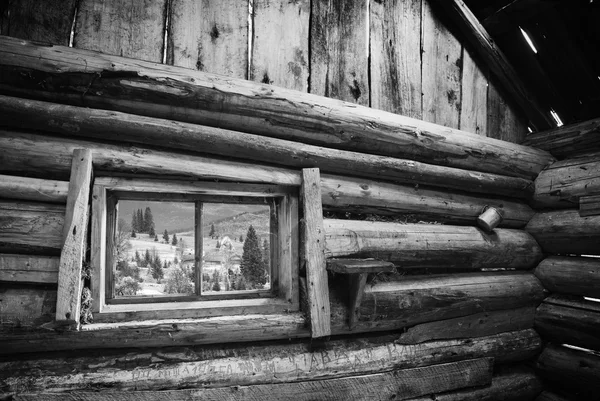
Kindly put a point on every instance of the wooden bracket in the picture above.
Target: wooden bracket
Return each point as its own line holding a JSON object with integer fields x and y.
{"x": 68, "y": 301}
{"x": 358, "y": 269}
{"x": 589, "y": 205}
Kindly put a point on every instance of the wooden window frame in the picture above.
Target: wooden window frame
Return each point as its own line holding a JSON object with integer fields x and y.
{"x": 284, "y": 249}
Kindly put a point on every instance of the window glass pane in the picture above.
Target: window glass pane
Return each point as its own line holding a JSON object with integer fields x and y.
{"x": 154, "y": 249}
{"x": 237, "y": 247}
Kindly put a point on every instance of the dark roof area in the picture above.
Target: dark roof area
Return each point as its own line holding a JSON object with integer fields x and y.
{"x": 565, "y": 71}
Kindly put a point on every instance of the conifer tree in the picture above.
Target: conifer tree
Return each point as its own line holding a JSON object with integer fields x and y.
{"x": 155, "y": 237}
{"x": 133, "y": 234}
{"x": 241, "y": 238}
{"x": 148, "y": 220}
{"x": 147, "y": 258}
{"x": 174, "y": 242}
{"x": 156, "y": 268}
{"x": 212, "y": 231}
{"x": 266, "y": 252}
{"x": 140, "y": 221}
{"x": 137, "y": 257}
{"x": 252, "y": 265}
{"x": 166, "y": 236}
{"x": 134, "y": 222}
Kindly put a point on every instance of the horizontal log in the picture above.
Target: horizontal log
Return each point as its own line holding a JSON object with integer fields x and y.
{"x": 430, "y": 245}
{"x": 577, "y": 324}
{"x": 88, "y": 79}
{"x": 51, "y": 156}
{"x": 477, "y": 325}
{"x": 517, "y": 384}
{"x": 564, "y": 182}
{"x": 589, "y": 205}
{"x": 359, "y": 266}
{"x": 33, "y": 189}
{"x": 243, "y": 364}
{"x": 570, "y": 275}
{"x": 24, "y": 309}
{"x": 565, "y": 232}
{"x": 568, "y": 141}
{"x": 573, "y": 371}
{"x": 397, "y": 385}
{"x": 28, "y": 224}
{"x": 405, "y": 301}
{"x": 29, "y": 269}
{"x": 100, "y": 124}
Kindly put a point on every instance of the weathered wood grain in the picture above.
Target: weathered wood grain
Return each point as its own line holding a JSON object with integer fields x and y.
{"x": 489, "y": 52}
{"x": 503, "y": 122}
{"x": 407, "y": 301}
{"x": 397, "y": 385}
{"x": 339, "y": 50}
{"x": 175, "y": 368}
{"x": 565, "y": 232}
{"x": 395, "y": 51}
{"x": 518, "y": 384}
{"x": 96, "y": 123}
{"x": 209, "y": 36}
{"x": 89, "y": 79}
{"x": 48, "y": 156}
{"x": 575, "y": 371}
{"x": 577, "y": 324}
{"x": 280, "y": 43}
{"x": 25, "y": 308}
{"x": 589, "y": 205}
{"x": 29, "y": 269}
{"x": 358, "y": 266}
{"x": 570, "y": 275}
{"x": 122, "y": 28}
{"x": 68, "y": 299}
{"x": 314, "y": 253}
{"x": 474, "y": 92}
{"x": 477, "y": 325}
{"x": 33, "y": 189}
{"x": 568, "y": 141}
{"x": 564, "y": 182}
{"x": 41, "y": 21}
{"x": 442, "y": 65}
{"x": 430, "y": 245}
{"x": 35, "y": 225}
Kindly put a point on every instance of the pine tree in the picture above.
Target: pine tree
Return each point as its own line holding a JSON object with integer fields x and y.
{"x": 252, "y": 265}
{"x": 133, "y": 234}
{"x": 241, "y": 238}
{"x": 155, "y": 238}
{"x": 156, "y": 268}
{"x": 151, "y": 232}
{"x": 137, "y": 257}
{"x": 148, "y": 220}
{"x": 166, "y": 236}
{"x": 266, "y": 251}
{"x": 174, "y": 242}
{"x": 140, "y": 221}
{"x": 212, "y": 231}
{"x": 134, "y": 223}
{"x": 147, "y": 258}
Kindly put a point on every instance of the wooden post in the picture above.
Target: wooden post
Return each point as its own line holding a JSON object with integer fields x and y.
{"x": 68, "y": 300}
{"x": 314, "y": 254}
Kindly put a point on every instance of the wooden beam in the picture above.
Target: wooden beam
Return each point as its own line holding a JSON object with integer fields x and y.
{"x": 589, "y": 205}
{"x": 68, "y": 300}
{"x": 571, "y": 370}
{"x": 31, "y": 227}
{"x": 563, "y": 183}
{"x": 496, "y": 60}
{"x": 314, "y": 253}
{"x": 570, "y": 275}
{"x": 358, "y": 266}
{"x": 29, "y": 269}
{"x": 51, "y": 156}
{"x": 129, "y": 128}
{"x": 515, "y": 13}
{"x": 430, "y": 245}
{"x": 578, "y": 325}
{"x": 88, "y": 79}
{"x": 397, "y": 384}
{"x": 565, "y": 232}
{"x": 25, "y": 188}
{"x": 176, "y": 367}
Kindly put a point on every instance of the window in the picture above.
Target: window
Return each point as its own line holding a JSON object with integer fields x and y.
{"x": 192, "y": 249}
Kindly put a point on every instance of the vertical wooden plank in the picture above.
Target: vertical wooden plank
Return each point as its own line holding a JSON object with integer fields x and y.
{"x": 288, "y": 250}
{"x": 47, "y": 21}
{"x": 356, "y": 290}
{"x": 198, "y": 246}
{"x": 396, "y": 56}
{"x": 339, "y": 50}
{"x": 210, "y": 36}
{"x": 503, "y": 122}
{"x": 122, "y": 27}
{"x": 98, "y": 251}
{"x": 314, "y": 254}
{"x": 68, "y": 299}
{"x": 109, "y": 270}
{"x": 280, "y": 43}
{"x": 442, "y": 66}
{"x": 473, "y": 111}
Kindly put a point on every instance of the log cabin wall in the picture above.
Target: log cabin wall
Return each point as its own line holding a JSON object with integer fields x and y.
{"x": 459, "y": 304}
